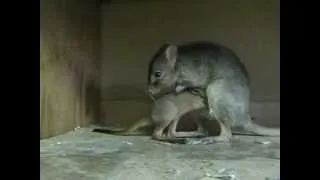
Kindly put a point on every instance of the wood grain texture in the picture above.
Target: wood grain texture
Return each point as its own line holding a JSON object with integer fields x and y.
{"x": 69, "y": 70}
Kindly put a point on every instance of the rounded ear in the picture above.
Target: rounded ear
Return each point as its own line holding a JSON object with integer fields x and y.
{"x": 171, "y": 54}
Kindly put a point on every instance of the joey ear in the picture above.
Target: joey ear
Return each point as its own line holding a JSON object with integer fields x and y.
{"x": 171, "y": 54}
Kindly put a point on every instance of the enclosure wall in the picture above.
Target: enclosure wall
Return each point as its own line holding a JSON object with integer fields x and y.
{"x": 69, "y": 64}
{"x": 132, "y": 32}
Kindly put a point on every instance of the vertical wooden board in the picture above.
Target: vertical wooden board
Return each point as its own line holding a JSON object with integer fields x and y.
{"x": 69, "y": 58}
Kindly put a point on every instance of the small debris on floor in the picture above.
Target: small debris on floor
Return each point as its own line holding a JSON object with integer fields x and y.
{"x": 127, "y": 142}
{"x": 173, "y": 171}
{"x": 202, "y": 141}
{"x": 226, "y": 174}
{"x": 85, "y": 155}
{"x": 262, "y": 142}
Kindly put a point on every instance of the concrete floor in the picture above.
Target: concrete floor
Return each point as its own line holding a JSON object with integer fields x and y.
{"x": 84, "y": 155}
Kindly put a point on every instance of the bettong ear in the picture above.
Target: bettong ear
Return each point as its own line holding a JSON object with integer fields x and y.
{"x": 171, "y": 54}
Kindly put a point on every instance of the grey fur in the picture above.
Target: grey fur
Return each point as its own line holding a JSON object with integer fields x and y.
{"x": 219, "y": 72}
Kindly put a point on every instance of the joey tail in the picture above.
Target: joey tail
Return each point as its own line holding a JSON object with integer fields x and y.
{"x": 131, "y": 131}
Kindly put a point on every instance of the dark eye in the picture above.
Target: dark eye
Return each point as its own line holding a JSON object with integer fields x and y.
{"x": 157, "y": 74}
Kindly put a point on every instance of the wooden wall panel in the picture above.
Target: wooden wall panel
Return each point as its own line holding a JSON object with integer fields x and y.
{"x": 70, "y": 65}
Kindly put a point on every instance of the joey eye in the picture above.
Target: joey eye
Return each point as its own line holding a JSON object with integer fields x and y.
{"x": 157, "y": 74}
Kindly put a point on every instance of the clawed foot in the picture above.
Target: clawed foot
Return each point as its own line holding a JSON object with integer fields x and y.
{"x": 191, "y": 134}
{"x": 207, "y": 140}
{"x": 196, "y": 137}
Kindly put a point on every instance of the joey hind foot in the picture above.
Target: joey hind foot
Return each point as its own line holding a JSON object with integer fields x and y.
{"x": 207, "y": 140}
{"x": 187, "y": 134}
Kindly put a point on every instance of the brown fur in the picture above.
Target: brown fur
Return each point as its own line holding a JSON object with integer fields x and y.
{"x": 165, "y": 114}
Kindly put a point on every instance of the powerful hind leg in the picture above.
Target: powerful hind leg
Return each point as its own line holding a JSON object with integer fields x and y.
{"x": 158, "y": 133}
{"x": 221, "y": 103}
{"x": 225, "y": 133}
{"x": 224, "y": 136}
{"x": 225, "y": 130}
{"x": 172, "y": 131}
{"x": 228, "y": 105}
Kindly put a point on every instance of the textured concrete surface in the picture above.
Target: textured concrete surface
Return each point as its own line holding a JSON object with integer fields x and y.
{"x": 83, "y": 155}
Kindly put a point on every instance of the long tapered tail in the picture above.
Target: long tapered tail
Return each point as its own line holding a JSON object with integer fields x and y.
{"x": 261, "y": 130}
{"x": 131, "y": 131}
{"x": 119, "y": 132}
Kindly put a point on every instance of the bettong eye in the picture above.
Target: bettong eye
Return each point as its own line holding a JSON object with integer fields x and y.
{"x": 157, "y": 74}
